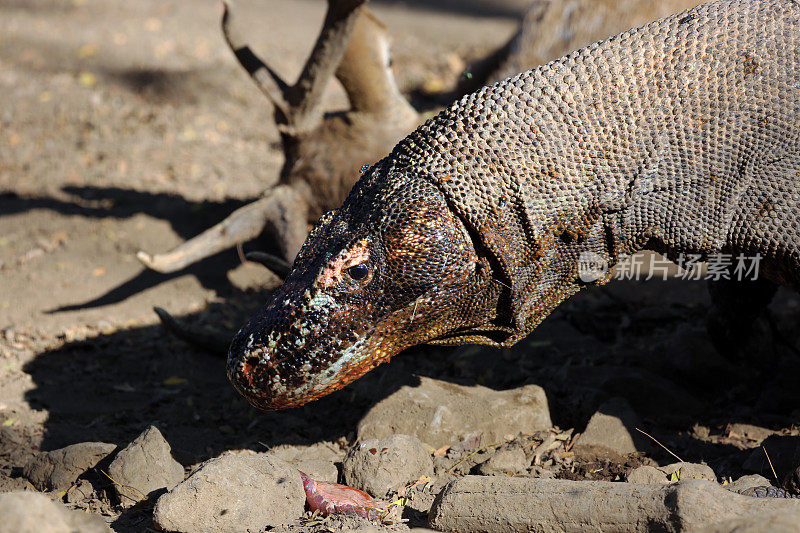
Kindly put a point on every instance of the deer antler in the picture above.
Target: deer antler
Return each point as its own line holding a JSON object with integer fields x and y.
{"x": 366, "y": 75}
{"x": 298, "y": 104}
{"x": 322, "y": 156}
{"x": 273, "y": 87}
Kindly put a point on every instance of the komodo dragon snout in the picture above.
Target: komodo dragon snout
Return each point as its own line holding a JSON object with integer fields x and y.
{"x": 393, "y": 267}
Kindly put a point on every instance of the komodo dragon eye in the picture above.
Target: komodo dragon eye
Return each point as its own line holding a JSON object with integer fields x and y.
{"x": 358, "y": 272}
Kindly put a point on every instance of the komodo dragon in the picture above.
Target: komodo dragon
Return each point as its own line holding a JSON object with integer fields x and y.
{"x": 680, "y": 137}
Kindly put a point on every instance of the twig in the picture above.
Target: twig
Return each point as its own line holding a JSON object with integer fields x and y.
{"x": 654, "y": 440}
{"x": 770, "y": 465}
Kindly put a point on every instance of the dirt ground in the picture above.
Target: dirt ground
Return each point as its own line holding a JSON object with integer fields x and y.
{"x": 128, "y": 126}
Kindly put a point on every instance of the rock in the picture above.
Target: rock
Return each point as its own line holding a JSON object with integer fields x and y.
{"x": 792, "y": 481}
{"x": 318, "y": 469}
{"x": 611, "y": 427}
{"x": 673, "y": 472}
{"x": 646, "y": 475}
{"x": 784, "y": 452}
{"x": 59, "y": 469}
{"x": 775, "y": 522}
{"x": 505, "y": 462}
{"x": 749, "y": 431}
{"x": 440, "y": 413}
{"x": 82, "y": 491}
{"x": 143, "y": 467}
{"x": 31, "y": 512}
{"x": 233, "y": 492}
{"x": 317, "y": 460}
{"x": 748, "y": 482}
{"x": 382, "y": 466}
{"x": 652, "y": 394}
{"x": 689, "y": 471}
{"x": 496, "y": 503}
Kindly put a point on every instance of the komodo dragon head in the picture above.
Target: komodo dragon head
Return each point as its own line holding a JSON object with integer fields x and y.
{"x": 393, "y": 267}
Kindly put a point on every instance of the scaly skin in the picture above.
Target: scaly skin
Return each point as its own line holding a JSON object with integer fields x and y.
{"x": 680, "y": 137}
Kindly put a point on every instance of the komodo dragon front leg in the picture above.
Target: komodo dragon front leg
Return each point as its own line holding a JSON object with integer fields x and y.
{"x": 680, "y": 136}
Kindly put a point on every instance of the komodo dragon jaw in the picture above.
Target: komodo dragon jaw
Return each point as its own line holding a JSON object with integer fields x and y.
{"x": 393, "y": 267}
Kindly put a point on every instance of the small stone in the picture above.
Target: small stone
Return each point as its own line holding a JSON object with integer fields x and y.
{"x": 541, "y": 472}
{"x": 674, "y": 472}
{"x": 689, "y": 471}
{"x": 237, "y": 491}
{"x": 504, "y": 463}
{"x": 318, "y": 469}
{"x": 499, "y": 504}
{"x": 749, "y": 482}
{"x": 82, "y": 491}
{"x": 749, "y": 431}
{"x": 59, "y": 469}
{"x": 383, "y": 466}
{"x": 318, "y": 461}
{"x": 143, "y": 467}
{"x": 440, "y": 413}
{"x": 700, "y": 431}
{"x": 611, "y": 427}
{"x": 646, "y": 475}
{"x": 31, "y": 512}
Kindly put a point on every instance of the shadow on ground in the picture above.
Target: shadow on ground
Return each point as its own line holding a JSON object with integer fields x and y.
{"x": 187, "y": 219}
{"x": 110, "y": 387}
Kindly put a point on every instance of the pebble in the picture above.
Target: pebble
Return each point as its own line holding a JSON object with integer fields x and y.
{"x": 144, "y": 466}
{"x": 498, "y": 504}
{"x": 59, "y": 469}
{"x": 31, "y": 512}
{"x": 689, "y": 471}
{"x": 237, "y": 491}
{"x": 749, "y": 431}
{"x": 749, "y": 482}
{"x": 612, "y": 428}
{"x": 383, "y": 466}
{"x": 82, "y": 491}
{"x": 646, "y": 475}
{"x": 505, "y": 463}
{"x": 673, "y": 472}
{"x": 318, "y": 460}
{"x": 440, "y": 413}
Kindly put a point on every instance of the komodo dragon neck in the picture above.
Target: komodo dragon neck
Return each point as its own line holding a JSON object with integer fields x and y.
{"x": 652, "y": 139}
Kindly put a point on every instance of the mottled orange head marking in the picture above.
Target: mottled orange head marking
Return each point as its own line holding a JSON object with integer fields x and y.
{"x": 354, "y": 255}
